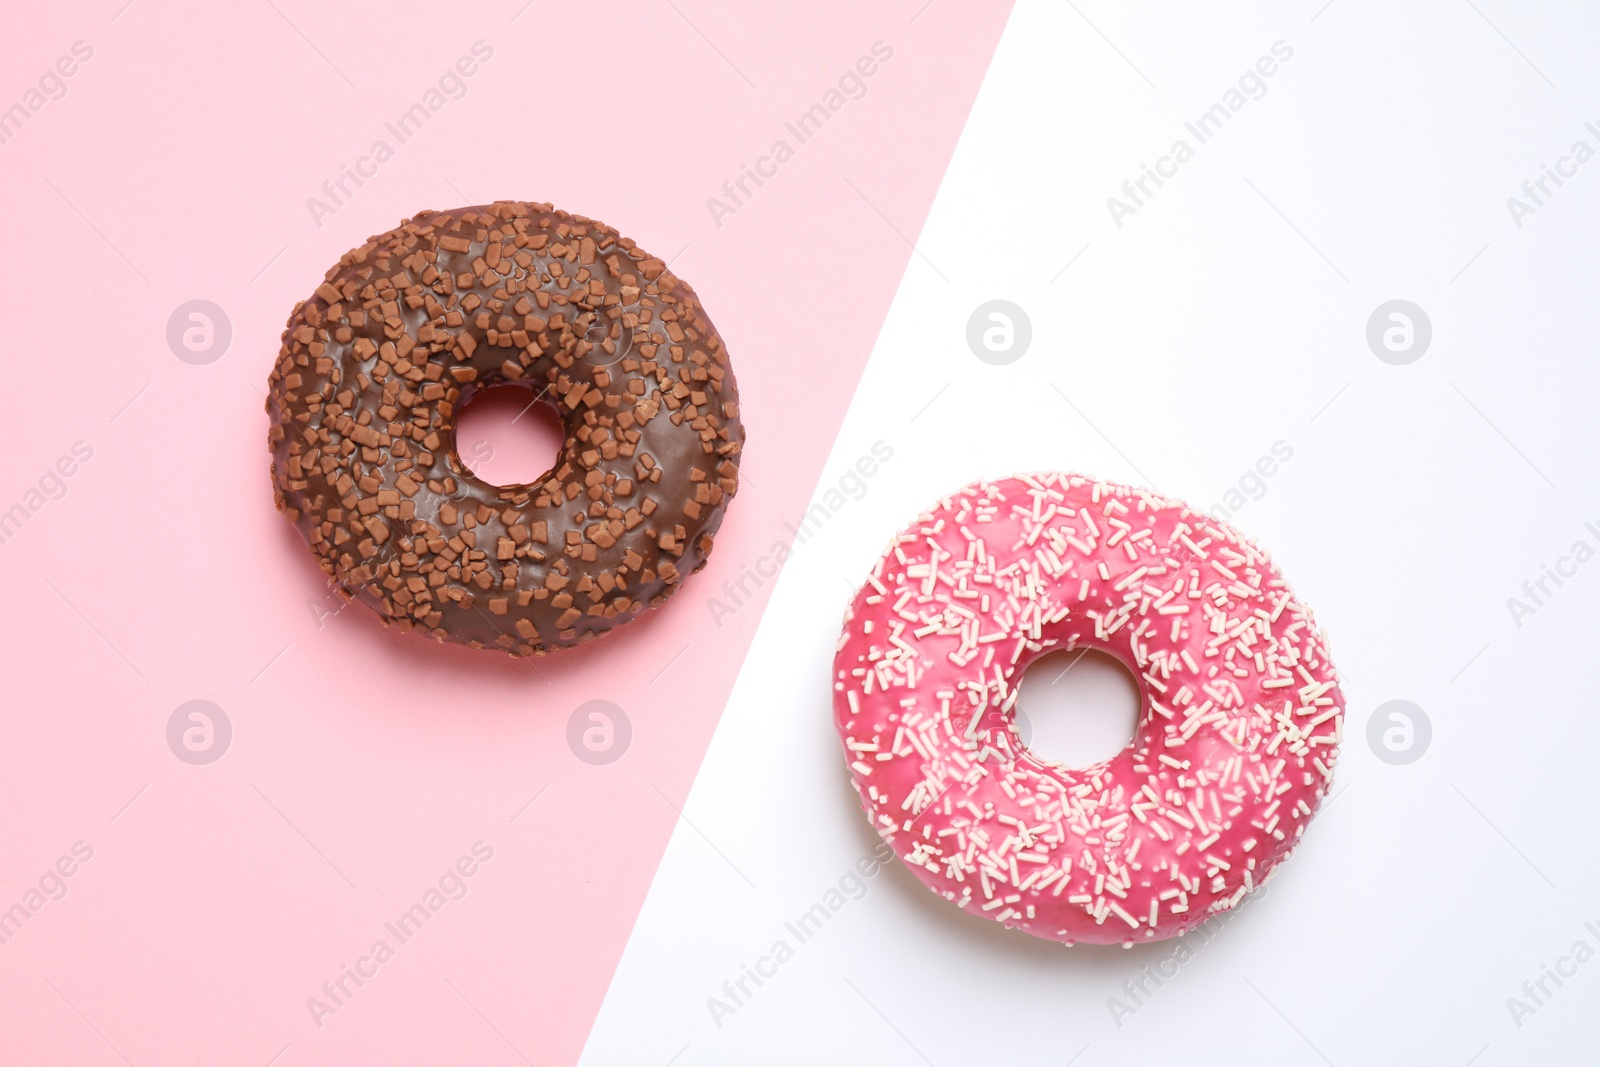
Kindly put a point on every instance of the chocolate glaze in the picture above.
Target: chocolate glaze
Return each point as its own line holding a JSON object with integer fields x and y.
{"x": 406, "y": 328}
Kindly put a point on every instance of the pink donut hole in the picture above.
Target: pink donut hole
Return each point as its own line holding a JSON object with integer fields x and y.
{"x": 1077, "y": 708}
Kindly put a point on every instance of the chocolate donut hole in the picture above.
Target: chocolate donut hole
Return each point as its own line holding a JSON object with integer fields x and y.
{"x": 507, "y": 435}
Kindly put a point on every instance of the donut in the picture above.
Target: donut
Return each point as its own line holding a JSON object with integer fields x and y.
{"x": 405, "y": 329}
{"x": 1239, "y": 726}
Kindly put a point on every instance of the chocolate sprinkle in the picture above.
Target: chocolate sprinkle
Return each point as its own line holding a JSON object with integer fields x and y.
{"x": 401, "y": 334}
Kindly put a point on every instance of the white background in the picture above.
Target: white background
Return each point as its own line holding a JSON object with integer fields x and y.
{"x": 1227, "y": 314}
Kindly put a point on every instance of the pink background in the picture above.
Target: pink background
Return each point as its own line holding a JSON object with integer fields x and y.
{"x": 363, "y": 764}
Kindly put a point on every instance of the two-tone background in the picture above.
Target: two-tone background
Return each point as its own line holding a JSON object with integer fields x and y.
{"x": 1325, "y": 268}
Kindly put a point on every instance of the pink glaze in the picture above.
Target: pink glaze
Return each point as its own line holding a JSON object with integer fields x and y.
{"x": 1239, "y": 728}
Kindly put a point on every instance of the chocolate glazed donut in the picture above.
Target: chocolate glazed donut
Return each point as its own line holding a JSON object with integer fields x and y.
{"x": 405, "y": 329}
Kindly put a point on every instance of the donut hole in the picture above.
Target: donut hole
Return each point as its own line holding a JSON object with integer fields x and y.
{"x": 507, "y": 436}
{"x": 1077, "y": 708}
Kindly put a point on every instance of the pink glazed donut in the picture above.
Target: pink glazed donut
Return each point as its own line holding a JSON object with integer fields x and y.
{"x": 1240, "y": 720}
